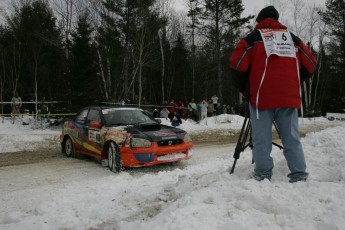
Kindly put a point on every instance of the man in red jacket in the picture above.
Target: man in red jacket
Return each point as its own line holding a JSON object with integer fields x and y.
{"x": 267, "y": 66}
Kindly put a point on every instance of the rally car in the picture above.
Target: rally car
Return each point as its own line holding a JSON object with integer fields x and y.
{"x": 124, "y": 137}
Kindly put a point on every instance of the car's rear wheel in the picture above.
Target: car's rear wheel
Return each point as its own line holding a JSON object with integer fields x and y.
{"x": 68, "y": 147}
{"x": 114, "y": 158}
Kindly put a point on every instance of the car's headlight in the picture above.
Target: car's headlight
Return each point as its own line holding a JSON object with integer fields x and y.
{"x": 187, "y": 138}
{"x": 140, "y": 143}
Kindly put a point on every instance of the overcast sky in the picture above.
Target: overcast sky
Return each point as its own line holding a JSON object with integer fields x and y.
{"x": 250, "y": 6}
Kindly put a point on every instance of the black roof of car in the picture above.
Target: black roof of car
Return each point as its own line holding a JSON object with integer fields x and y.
{"x": 111, "y": 107}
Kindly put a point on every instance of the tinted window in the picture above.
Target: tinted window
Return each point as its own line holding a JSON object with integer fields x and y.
{"x": 93, "y": 116}
{"x": 81, "y": 118}
{"x": 126, "y": 117}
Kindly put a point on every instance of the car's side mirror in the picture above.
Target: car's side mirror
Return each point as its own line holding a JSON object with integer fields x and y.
{"x": 158, "y": 120}
{"x": 95, "y": 124}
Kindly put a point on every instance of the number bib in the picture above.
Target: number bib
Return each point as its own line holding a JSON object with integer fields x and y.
{"x": 278, "y": 42}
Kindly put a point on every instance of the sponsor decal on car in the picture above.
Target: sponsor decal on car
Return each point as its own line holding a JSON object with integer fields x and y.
{"x": 94, "y": 135}
{"x": 117, "y": 134}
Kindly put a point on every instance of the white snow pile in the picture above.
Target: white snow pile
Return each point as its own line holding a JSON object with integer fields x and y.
{"x": 18, "y": 137}
{"x": 196, "y": 194}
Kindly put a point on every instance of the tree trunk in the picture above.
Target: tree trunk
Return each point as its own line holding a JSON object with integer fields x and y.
{"x": 104, "y": 83}
{"x": 218, "y": 53}
{"x": 160, "y": 33}
{"x": 109, "y": 78}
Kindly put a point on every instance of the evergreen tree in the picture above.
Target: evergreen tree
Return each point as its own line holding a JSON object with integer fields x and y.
{"x": 83, "y": 71}
{"x": 137, "y": 24}
{"x": 180, "y": 71}
{"x": 110, "y": 50}
{"x": 334, "y": 17}
{"x": 222, "y": 24}
{"x": 36, "y": 47}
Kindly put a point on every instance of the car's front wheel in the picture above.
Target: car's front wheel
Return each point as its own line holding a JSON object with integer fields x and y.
{"x": 68, "y": 147}
{"x": 114, "y": 158}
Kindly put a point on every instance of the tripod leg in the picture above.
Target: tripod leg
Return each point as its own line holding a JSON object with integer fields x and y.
{"x": 241, "y": 143}
{"x": 233, "y": 167}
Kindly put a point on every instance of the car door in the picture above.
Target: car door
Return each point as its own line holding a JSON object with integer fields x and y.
{"x": 94, "y": 125}
{"x": 81, "y": 135}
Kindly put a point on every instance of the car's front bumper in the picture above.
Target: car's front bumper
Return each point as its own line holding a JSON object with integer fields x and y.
{"x": 136, "y": 157}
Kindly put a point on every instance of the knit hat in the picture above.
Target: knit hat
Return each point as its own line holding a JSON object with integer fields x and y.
{"x": 267, "y": 12}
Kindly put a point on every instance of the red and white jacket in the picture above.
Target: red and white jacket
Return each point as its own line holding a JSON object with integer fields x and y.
{"x": 280, "y": 87}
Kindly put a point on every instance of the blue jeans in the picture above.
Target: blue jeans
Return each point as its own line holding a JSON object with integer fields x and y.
{"x": 287, "y": 123}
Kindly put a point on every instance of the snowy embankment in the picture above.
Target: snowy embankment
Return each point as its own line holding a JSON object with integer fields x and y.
{"x": 77, "y": 194}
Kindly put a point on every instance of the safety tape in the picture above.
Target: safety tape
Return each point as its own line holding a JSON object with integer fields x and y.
{"x": 33, "y": 115}
{"x": 142, "y": 105}
{"x": 32, "y": 102}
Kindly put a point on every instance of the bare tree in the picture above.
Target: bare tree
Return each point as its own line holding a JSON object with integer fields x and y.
{"x": 164, "y": 8}
{"x": 194, "y": 10}
{"x": 322, "y": 31}
{"x": 298, "y": 11}
{"x": 64, "y": 8}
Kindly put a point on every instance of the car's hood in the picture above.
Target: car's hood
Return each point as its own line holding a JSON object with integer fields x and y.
{"x": 155, "y": 132}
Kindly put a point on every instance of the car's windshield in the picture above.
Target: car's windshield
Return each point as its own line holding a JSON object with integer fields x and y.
{"x": 115, "y": 116}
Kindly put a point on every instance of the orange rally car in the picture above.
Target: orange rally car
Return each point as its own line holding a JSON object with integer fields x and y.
{"x": 124, "y": 137}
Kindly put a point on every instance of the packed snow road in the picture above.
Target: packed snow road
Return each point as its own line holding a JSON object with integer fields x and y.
{"x": 19, "y": 183}
{"x": 47, "y": 168}
{"x": 42, "y": 189}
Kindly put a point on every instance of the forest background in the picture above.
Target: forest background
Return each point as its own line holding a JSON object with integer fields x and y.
{"x": 143, "y": 51}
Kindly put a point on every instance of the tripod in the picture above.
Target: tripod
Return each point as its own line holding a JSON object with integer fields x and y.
{"x": 242, "y": 140}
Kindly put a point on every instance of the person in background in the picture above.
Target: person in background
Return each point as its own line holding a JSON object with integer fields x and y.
{"x": 176, "y": 121}
{"x": 214, "y": 99}
{"x": 192, "y": 110}
{"x": 203, "y": 106}
{"x": 225, "y": 109}
{"x": 16, "y": 103}
{"x": 172, "y": 108}
{"x": 44, "y": 107}
{"x": 198, "y": 106}
{"x": 180, "y": 108}
{"x": 210, "y": 108}
{"x": 164, "y": 113}
{"x": 267, "y": 66}
{"x": 155, "y": 113}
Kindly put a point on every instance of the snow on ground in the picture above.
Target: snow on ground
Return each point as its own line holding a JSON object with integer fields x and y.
{"x": 200, "y": 195}
{"x": 17, "y": 137}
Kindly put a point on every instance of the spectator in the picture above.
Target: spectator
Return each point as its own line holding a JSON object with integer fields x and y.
{"x": 155, "y": 113}
{"x": 16, "y": 110}
{"x": 272, "y": 62}
{"x": 176, "y": 121}
{"x": 192, "y": 110}
{"x": 172, "y": 108}
{"x": 44, "y": 107}
{"x": 165, "y": 113}
{"x": 203, "y": 107}
{"x": 180, "y": 108}
{"x": 214, "y": 99}
{"x": 16, "y": 103}
{"x": 198, "y": 106}
{"x": 225, "y": 109}
{"x": 210, "y": 109}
